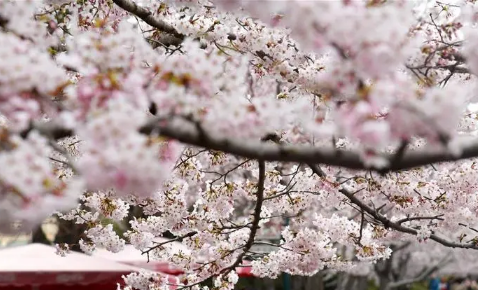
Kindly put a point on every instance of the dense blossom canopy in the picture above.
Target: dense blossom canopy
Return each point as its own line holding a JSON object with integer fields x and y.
{"x": 345, "y": 123}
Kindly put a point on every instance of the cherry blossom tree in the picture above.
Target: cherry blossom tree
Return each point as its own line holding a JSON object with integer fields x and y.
{"x": 413, "y": 262}
{"x": 345, "y": 123}
{"x": 410, "y": 262}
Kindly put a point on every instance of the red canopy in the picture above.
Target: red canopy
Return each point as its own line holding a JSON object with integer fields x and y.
{"x": 132, "y": 256}
{"x": 39, "y": 266}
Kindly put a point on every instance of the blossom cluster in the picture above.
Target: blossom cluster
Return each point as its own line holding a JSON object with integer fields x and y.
{"x": 171, "y": 107}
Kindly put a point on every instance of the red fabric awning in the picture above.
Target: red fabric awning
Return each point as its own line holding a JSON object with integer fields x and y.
{"x": 60, "y": 278}
{"x": 37, "y": 264}
{"x": 244, "y": 271}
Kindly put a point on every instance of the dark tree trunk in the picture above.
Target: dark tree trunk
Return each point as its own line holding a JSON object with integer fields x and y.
{"x": 134, "y": 212}
{"x": 307, "y": 283}
{"x": 315, "y": 282}
{"x": 348, "y": 282}
{"x": 70, "y": 233}
{"x": 383, "y": 282}
{"x": 297, "y": 282}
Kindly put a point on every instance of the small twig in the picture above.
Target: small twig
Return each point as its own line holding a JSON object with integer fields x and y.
{"x": 362, "y": 224}
{"x": 177, "y": 239}
{"x": 408, "y": 219}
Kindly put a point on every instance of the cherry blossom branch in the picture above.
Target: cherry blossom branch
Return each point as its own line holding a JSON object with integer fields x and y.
{"x": 254, "y": 227}
{"x": 60, "y": 161}
{"x": 165, "y": 40}
{"x": 148, "y": 17}
{"x": 273, "y": 245}
{"x": 188, "y": 157}
{"x": 256, "y": 218}
{"x": 362, "y": 225}
{"x": 393, "y": 225}
{"x": 225, "y": 174}
{"x": 387, "y": 223}
{"x": 70, "y": 163}
{"x": 177, "y": 239}
{"x": 300, "y": 153}
{"x": 408, "y": 219}
{"x": 194, "y": 135}
{"x": 471, "y": 228}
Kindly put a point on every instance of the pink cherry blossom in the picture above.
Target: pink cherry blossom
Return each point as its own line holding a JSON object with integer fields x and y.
{"x": 302, "y": 135}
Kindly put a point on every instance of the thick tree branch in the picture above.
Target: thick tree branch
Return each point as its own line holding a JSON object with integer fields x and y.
{"x": 176, "y": 128}
{"x": 3, "y": 21}
{"x": 302, "y": 154}
{"x": 50, "y": 130}
{"x": 165, "y": 40}
{"x": 145, "y": 15}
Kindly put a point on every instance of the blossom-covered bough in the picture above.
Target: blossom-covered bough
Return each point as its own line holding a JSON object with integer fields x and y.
{"x": 352, "y": 120}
